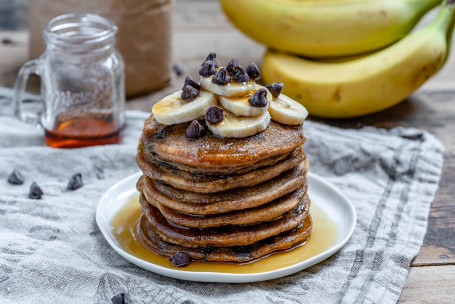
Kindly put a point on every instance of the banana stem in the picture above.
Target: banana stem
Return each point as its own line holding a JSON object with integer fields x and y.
{"x": 445, "y": 20}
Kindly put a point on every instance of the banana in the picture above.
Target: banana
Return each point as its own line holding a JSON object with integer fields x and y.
{"x": 239, "y": 126}
{"x": 173, "y": 110}
{"x": 241, "y": 106}
{"x": 301, "y": 27}
{"x": 231, "y": 89}
{"x": 370, "y": 83}
{"x": 287, "y": 111}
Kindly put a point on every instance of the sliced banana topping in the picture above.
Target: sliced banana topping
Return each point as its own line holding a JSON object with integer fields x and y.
{"x": 239, "y": 126}
{"x": 241, "y": 106}
{"x": 173, "y": 110}
{"x": 287, "y": 111}
{"x": 231, "y": 89}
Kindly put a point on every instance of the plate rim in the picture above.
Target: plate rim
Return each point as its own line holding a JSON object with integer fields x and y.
{"x": 221, "y": 277}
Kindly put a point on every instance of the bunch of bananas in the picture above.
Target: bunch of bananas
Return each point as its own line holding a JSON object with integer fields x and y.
{"x": 346, "y": 58}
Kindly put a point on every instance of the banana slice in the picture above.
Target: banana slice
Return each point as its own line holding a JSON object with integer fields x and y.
{"x": 287, "y": 111}
{"x": 241, "y": 106}
{"x": 239, "y": 126}
{"x": 231, "y": 89}
{"x": 173, "y": 110}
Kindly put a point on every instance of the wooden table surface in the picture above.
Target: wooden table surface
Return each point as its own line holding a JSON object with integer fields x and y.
{"x": 431, "y": 278}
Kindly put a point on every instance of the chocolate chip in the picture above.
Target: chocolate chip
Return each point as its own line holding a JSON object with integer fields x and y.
{"x": 180, "y": 259}
{"x": 191, "y": 82}
{"x": 240, "y": 75}
{"x": 232, "y": 66}
{"x": 275, "y": 88}
{"x": 253, "y": 71}
{"x": 214, "y": 115}
{"x": 121, "y": 298}
{"x": 195, "y": 130}
{"x": 211, "y": 58}
{"x": 75, "y": 182}
{"x": 16, "y": 178}
{"x": 243, "y": 251}
{"x": 221, "y": 77}
{"x": 259, "y": 99}
{"x": 177, "y": 69}
{"x": 207, "y": 69}
{"x": 35, "y": 191}
{"x": 189, "y": 93}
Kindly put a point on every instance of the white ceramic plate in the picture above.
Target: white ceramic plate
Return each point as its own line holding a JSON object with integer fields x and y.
{"x": 328, "y": 198}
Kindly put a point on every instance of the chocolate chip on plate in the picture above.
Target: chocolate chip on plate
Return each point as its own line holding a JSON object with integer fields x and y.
{"x": 75, "y": 182}
{"x": 180, "y": 259}
{"x": 35, "y": 191}
{"x": 214, "y": 115}
{"x": 240, "y": 75}
{"x": 195, "y": 130}
{"x": 189, "y": 93}
{"x": 253, "y": 71}
{"x": 275, "y": 88}
{"x": 259, "y": 99}
{"x": 212, "y": 58}
{"x": 207, "y": 69}
{"x": 191, "y": 82}
{"x": 232, "y": 66}
{"x": 16, "y": 178}
{"x": 221, "y": 77}
{"x": 121, "y": 298}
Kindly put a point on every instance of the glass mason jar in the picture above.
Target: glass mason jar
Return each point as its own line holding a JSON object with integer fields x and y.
{"x": 82, "y": 83}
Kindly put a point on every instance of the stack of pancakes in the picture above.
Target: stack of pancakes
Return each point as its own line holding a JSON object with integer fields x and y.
{"x": 222, "y": 199}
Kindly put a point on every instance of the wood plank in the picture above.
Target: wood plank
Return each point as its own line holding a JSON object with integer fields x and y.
{"x": 433, "y": 284}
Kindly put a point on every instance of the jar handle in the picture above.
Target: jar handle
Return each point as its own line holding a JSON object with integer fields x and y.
{"x": 30, "y": 67}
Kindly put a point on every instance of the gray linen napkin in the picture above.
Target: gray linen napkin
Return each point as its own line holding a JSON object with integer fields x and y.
{"x": 51, "y": 250}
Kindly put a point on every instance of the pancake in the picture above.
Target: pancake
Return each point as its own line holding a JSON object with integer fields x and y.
{"x": 231, "y": 200}
{"x": 171, "y": 143}
{"x": 155, "y": 159}
{"x": 264, "y": 213}
{"x": 209, "y": 184}
{"x": 239, "y": 254}
{"x": 226, "y": 236}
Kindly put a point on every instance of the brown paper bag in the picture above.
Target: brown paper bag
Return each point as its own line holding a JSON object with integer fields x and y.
{"x": 143, "y": 39}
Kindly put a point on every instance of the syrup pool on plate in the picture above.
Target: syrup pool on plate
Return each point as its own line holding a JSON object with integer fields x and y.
{"x": 324, "y": 235}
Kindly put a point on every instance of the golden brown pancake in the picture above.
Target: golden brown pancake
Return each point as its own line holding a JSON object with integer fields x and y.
{"x": 264, "y": 213}
{"x": 171, "y": 143}
{"x": 216, "y": 170}
{"x": 231, "y": 200}
{"x": 226, "y": 236}
{"x": 210, "y": 184}
{"x": 283, "y": 241}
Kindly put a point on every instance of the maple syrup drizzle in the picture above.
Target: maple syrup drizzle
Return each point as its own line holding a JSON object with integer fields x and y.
{"x": 324, "y": 235}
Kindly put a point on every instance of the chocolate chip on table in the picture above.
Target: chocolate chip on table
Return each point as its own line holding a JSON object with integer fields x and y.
{"x": 35, "y": 191}
{"x": 259, "y": 99}
{"x": 16, "y": 178}
{"x": 189, "y": 93}
{"x": 177, "y": 69}
{"x": 121, "y": 298}
{"x": 207, "y": 69}
{"x": 195, "y": 130}
{"x": 180, "y": 259}
{"x": 191, "y": 82}
{"x": 75, "y": 182}
{"x": 214, "y": 115}
{"x": 253, "y": 71}
{"x": 240, "y": 75}
{"x": 232, "y": 66}
{"x": 275, "y": 88}
{"x": 221, "y": 77}
{"x": 211, "y": 58}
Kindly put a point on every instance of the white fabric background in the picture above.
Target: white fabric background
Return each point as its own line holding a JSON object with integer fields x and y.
{"x": 51, "y": 250}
